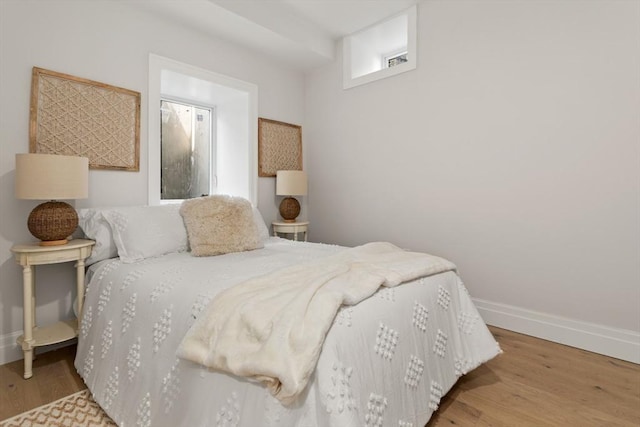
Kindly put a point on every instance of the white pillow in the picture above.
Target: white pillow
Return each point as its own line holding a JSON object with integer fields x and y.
{"x": 147, "y": 231}
{"x": 263, "y": 231}
{"x": 95, "y": 227}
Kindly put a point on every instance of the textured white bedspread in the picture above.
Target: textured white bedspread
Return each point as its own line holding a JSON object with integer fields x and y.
{"x": 386, "y": 361}
{"x": 271, "y": 328}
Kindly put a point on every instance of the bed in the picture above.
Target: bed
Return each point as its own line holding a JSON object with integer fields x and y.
{"x": 386, "y": 361}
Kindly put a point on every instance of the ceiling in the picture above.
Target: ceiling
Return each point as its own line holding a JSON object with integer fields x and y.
{"x": 302, "y": 33}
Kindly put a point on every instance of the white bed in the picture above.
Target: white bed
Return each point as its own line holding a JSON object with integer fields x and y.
{"x": 386, "y": 361}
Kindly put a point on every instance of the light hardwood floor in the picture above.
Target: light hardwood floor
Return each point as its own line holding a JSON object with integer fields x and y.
{"x": 54, "y": 377}
{"x": 534, "y": 383}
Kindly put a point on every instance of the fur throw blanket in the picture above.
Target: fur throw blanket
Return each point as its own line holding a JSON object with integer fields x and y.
{"x": 271, "y": 328}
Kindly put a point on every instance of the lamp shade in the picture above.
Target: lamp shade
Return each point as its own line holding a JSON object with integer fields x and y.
{"x": 51, "y": 176}
{"x": 291, "y": 183}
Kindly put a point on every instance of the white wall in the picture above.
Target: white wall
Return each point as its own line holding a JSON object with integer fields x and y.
{"x": 109, "y": 42}
{"x": 513, "y": 150}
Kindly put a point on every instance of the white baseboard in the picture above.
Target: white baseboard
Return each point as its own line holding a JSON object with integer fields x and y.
{"x": 10, "y": 351}
{"x": 619, "y": 343}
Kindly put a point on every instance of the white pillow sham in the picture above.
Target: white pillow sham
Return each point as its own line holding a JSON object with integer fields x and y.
{"x": 95, "y": 227}
{"x": 263, "y": 230}
{"x": 147, "y": 231}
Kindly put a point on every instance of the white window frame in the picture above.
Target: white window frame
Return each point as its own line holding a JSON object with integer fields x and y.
{"x": 249, "y": 185}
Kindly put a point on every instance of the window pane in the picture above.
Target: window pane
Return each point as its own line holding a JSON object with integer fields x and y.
{"x": 185, "y": 151}
{"x": 397, "y": 60}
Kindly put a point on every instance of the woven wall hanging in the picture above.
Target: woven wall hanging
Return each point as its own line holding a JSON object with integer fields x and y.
{"x": 78, "y": 117}
{"x": 279, "y": 147}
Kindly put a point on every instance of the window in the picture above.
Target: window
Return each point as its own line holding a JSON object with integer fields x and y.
{"x": 385, "y": 49}
{"x": 395, "y": 59}
{"x": 232, "y": 121}
{"x": 187, "y": 151}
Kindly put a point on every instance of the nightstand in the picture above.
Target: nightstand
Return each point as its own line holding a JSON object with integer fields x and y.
{"x": 28, "y": 256}
{"x": 291, "y": 228}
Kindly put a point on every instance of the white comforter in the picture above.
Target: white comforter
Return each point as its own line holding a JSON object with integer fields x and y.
{"x": 271, "y": 328}
{"x": 386, "y": 361}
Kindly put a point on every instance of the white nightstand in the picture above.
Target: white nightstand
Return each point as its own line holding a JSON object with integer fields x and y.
{"x": 291, "y": 228}
{"x": 28, "y": 256}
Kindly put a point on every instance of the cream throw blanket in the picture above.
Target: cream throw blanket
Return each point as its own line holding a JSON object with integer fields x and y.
{"x": 271, "y": 328}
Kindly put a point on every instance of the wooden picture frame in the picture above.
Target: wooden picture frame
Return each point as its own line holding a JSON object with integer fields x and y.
{"x": 279, "y": 147}
{"x": 78, "y": 117}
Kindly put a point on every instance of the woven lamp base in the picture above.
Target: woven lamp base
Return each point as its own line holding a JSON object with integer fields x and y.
{"x": 53, "y": 222}
{"x": 289, "y": 209}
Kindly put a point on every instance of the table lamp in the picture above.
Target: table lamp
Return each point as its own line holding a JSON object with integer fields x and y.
{"x": 290, "y": 183}
{"x": 52, "y": 177}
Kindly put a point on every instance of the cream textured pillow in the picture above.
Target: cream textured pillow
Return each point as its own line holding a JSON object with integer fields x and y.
{"x": 220, "y": 224}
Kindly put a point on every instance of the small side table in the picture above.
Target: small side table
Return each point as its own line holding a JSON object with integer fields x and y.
{"x": 28, "y": 256}
{"x": 291, "y": 228}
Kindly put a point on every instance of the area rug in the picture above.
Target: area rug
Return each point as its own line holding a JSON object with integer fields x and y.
{"x": 76, "y": 410}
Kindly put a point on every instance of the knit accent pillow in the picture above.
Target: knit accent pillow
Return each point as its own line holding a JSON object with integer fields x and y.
{"x": 220, "y": 224}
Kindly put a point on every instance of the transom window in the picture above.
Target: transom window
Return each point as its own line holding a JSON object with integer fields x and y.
{"x": 382, "y": 50}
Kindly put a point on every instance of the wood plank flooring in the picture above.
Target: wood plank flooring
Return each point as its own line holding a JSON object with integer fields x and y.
{"x": 54, "y": 377}
{"x": 540, "y": 383}
{"x": 534, "y": 383}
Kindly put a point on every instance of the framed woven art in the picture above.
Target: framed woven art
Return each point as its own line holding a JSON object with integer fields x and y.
{"x": 78, "y": 117}
{"x": 279, "y": 147}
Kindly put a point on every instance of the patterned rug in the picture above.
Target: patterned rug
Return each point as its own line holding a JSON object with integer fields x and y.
{"x": 76, "y": 410}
